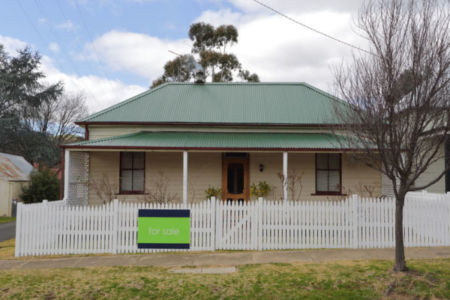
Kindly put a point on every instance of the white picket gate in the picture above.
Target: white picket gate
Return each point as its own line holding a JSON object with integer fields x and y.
{"x": 236, "y": 226}
{"x": 57, "y": 228}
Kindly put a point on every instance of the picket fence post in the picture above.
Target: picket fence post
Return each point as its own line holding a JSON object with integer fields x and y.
{"x": 448, "y": 219}
{"x": 259, "y": 227}
{"x": 19, "y": 210}
{"x": 213, "y": 223}
{"x": 354, "y": 205}
{"x": 115, "y": 225}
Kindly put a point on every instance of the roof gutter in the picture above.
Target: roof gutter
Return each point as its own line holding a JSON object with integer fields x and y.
{"x": 208, "y": 124}
{"x": 91, "y": 147}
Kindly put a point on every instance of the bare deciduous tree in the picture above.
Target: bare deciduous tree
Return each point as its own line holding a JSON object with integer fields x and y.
{"x": 57, "y": 117}
{"x": 294, "y": 184}
{"x": 104, "y": 188}
{"x": 398, "y": 112}
{"x": 160, "y": 193}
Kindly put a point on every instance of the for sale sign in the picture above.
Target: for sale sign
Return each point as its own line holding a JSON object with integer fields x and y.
{"x": 164, "y": 228}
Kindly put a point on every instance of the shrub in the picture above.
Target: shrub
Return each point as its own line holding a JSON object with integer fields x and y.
{"x": 212, "y": 192}
{"x": 43, "y": 185}
{"x": 262, "y": 189}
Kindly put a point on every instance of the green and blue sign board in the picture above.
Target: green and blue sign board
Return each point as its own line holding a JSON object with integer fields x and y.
{"x": 164, "y": 228}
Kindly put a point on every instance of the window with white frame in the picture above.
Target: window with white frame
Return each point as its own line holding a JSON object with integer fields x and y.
{"x": 328, "y": 173}
{"x": 132, "y": 172}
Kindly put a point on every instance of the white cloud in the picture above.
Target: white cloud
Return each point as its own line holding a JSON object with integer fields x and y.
{"x": 224, "y": 16}
{"x": 135, "y": 53}
{"x": 270, "y": 45}
{"x": 54, "y": 47}
{"x": 68, "y": 26}
{"x": 295, "y": 6}
{"x": 99, "y": 92}
{"x": 280, "y": 50}
{"x": 11, "y": 45}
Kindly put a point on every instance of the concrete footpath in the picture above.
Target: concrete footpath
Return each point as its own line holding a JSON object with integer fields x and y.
{"x": 220, "y": 258}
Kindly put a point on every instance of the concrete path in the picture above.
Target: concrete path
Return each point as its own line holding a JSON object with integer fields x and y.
{"x": 219, "y": 258}
{"x": 7, "y": 231}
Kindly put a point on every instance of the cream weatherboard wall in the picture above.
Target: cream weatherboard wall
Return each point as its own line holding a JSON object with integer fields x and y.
{"x": 356, "y": 177}
{"x": 164, "y": 171}
{"x": 106, "y": 131}
{"x": 432, "y": 172}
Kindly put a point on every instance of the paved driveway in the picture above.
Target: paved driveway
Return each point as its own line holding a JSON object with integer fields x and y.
{"x": 7, "y": 231}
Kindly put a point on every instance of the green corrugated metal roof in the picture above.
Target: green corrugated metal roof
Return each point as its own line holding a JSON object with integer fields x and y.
{"x": 216, "y": 140}
{"x": 227, "y": 103}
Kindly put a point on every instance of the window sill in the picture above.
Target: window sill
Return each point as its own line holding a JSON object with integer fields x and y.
{"x": 328, "y": 194}
{"x": 131, "y": 193}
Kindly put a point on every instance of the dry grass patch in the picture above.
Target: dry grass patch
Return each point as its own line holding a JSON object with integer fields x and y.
{"x": 7, "y": 249}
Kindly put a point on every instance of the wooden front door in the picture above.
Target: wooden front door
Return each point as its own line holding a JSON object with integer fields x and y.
{"x": 235, "y": 183}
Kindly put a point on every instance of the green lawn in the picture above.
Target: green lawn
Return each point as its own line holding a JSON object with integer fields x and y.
{"x": 7, "y": 219}
{"x": 428, "y": 279}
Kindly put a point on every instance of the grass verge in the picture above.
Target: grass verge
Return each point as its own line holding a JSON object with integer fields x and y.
{"x": 7, "y": 219}
{"x": 428, "y": 279}
{"x": 7, "y": 249}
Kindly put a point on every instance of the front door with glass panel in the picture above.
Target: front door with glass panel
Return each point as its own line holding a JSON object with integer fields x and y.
{"x": 235, "y": 177}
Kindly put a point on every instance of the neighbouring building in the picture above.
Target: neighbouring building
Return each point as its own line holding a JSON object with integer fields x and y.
{"x": 14, "y": 174}
{"x": 436, "y": 168}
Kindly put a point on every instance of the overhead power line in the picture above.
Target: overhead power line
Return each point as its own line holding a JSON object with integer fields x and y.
{"x": 90, "y": 36}
{"x": 173, "y": 52}
{"x": 312, "y": 29}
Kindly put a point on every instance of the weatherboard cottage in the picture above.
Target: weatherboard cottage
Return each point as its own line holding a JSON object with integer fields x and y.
{"x": 174, "y": 142}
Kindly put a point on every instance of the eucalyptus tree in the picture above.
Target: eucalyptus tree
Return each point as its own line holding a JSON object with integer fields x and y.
{"x": 210, "y": 49}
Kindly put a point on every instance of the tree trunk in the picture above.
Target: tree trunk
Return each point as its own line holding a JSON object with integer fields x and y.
{"x": 400, "y": 262}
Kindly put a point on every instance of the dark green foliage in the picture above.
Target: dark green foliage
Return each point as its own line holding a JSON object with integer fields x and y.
{"x": 43, "y": 185}
{"x": 33, "y": 145}
{"x": 177, "y": 70}
{"x": 22, "y": 96}
{"x": 203, "y": 36}
{"x": 210, "y": 44}
{"x": 247, "y": 76}
{"x": 20, "y": 87}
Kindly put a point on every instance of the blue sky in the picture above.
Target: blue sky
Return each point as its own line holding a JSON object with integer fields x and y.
{"x": 72, "y": 24}
{"x": 110, "y": 50}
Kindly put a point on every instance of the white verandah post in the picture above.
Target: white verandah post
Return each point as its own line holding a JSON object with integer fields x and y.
{"x": 66, "y": 173}
{"x": 185, "y": 177}
{"x": 285, "y": 176}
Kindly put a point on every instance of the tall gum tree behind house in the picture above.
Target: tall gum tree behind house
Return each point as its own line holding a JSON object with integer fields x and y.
{"x": 211, "y": 46}
{"x": 399, "y": 96}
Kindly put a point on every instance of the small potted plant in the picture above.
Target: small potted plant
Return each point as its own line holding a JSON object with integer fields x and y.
{"x": 262, "y": 189}
{"x": 212, "y": 192}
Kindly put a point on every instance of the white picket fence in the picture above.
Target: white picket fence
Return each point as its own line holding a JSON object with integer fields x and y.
{"x": 56, "y": 228}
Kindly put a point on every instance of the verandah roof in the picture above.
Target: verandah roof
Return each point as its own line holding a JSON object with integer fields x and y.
{"x": 216, "y": 141}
